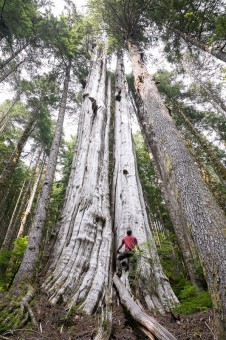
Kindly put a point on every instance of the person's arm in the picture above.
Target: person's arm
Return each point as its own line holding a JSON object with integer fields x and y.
{"x": 121, "y": 245}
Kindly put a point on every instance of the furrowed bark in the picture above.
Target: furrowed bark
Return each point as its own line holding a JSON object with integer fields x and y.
{"x": 27, "y": 268}
{"x": 185, "y": 241}
{"x": 218, "y": 166}
{"x": 79, "y": 272}
{"x": 183, "y": 182}
{"x": 139, "y": 315}
{"x": 129, "y": 206}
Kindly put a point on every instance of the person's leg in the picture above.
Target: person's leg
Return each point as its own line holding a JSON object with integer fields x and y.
{"x": 124, "y": 255}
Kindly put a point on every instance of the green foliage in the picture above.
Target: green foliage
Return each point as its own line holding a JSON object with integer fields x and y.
{"x": 60, "y": 186}
{"x": 192, "y": 299}
{"x": 18, "y": 18}
{"x": 10, "y": 261}
{"x": 169, "y": 255}
{"x": 204, "y": 22}
{"x": 153, "y": 197}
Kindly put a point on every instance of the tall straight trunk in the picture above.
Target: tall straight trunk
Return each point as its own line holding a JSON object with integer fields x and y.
{"x": 20, "y": 205}
{"x": 189, "y": 195}
{"x": 79, "y": 272}
{"x": 11, "y": 233}
{"x": 213, "y": 98}
{"x": 185, "y": 242}
{"x": 217, "y": 53}
{"x": 216, "y": 102}
{"x": 27, "y": 211}
{"x": 14, "y": 159}
{"x": 28, "y": 266}
{"x": 6, "y": 115}
{"x": 130, "y": 210}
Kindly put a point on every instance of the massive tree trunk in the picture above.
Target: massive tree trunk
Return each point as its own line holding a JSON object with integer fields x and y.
{"x": 129, "y": 206}
{"x": 185, "y": 242}
{"x": 189, "y": 195}
{"x": 218, "y": 166}
{"x": 79, "y": 271}
{"x": 28, "y": 266}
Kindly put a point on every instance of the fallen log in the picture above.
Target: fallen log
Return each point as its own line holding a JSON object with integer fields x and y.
{"x": 139, "y": 315}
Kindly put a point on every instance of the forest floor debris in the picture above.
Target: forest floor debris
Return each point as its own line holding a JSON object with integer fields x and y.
{"x": 55, "y": 325}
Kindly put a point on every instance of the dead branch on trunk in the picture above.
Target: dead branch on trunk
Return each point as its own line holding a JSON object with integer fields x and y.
{"x": 139, "y": 315}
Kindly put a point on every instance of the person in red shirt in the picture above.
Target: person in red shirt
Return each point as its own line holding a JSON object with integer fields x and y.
{"x": 131, "y": 244}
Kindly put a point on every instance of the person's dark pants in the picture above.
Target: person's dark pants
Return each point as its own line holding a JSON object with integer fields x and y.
{"x": 124, "y": 255}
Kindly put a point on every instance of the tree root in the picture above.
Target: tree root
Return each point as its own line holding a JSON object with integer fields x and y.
{"x": 17, "y": 310}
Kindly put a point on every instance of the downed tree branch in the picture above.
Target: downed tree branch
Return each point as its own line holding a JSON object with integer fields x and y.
{"x": 147, "y": 333}
{"x": 139, "y": 315}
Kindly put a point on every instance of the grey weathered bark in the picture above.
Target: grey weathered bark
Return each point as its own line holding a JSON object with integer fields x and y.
{"x": 189, "y": 194}
{"x": 28, "y": 266}
{"x": 219, "y": 54}
{"x": 129, "y": 206}
{"x": 79, "y": 272}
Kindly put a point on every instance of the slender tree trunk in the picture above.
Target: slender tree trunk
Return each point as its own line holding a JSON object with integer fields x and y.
{"x": 13, "y": 55}
{"x": 6, "y": 115}
{"x": 11, "y": 234}
{"x": 79, "y": 272}
{"x": 13, "y": 161}
{"x": 14, "y": 224}
{"x": 195, "y": 204}
{"x": 10, "y": 71}
{"x": 202, "y": 46}
{"x": 130, "y": 210}
{"x": 28, "y": 266}
{"x": 30, "y": 201}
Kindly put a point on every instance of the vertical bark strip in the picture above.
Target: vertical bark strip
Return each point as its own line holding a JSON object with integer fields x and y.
{"x": 182, "y": 180}
{"x": 129, "y": 206}
{"x": 27, "y": 269}
{"x": 79, "y": 272}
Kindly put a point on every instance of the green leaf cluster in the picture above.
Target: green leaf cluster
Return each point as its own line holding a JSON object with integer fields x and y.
{"x": 192, "y": 299}
{"x": 10, "y": 261}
